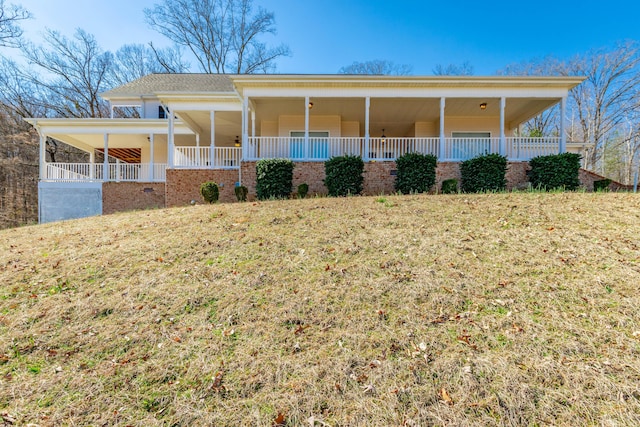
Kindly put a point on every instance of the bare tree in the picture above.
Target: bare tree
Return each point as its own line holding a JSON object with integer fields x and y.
{"x": 464, "y": 69}
{"x": 133, "y": 61}
{"x": 224, "y": 35}
{"x": 378, "y": 67}
{"x": 608, "y": 94}
{"x": 75, "y": 72}
{"x": 10, "y": 31}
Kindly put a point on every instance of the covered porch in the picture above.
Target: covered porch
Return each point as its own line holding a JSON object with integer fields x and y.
{"x": 117, "y": 150}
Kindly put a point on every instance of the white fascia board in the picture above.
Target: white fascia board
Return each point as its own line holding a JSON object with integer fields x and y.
{"x": 110, "y": 126}
{"x": 462, "y": 92}
{"x": 209, "y": 104}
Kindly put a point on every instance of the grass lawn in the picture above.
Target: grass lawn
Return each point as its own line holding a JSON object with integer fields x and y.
{"x": 517, "y": 309}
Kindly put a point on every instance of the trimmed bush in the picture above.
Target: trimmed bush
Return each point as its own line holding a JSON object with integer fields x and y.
{"x": 241, "y": 193}
{"x": 416, "y": 173}
{"x": 602, "y": 184}
{"x": 450, "y": 186}
{"x": 343, "y": 175}
{"x": 558, "y": 171}
{"x": 210, "y": 191}
{"x": 274, "y": 178}
{"x": 484, "y": 173}
{"x": 303, "y": 189}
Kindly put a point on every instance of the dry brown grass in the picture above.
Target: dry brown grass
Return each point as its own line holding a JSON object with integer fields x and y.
{"x": 507, "y": 309}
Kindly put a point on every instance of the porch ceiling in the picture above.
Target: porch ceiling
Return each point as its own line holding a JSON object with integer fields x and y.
{"x": 398, "y": 115}
{"x": 228, "y": 125}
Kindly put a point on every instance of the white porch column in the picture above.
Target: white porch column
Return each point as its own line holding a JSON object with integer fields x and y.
{"x": 253, "y": 123}
{"x": 151, "y": 157}
{"x": 441, "y": 149}
{"x": 245, "y": 126}
{"x": 563, "y": 135}
{"x": 367, "y": 134}
{"x": 92, "y": 167}
{"x": 503, "y": 141}
{"x": 198, "y": 162}
{"x": 306, "y": 127}
{"x": 212, "y": 149}
{"x": 105, "y": 163}
{"x": 43, "y": 156}
{"x": 170, "y": 138}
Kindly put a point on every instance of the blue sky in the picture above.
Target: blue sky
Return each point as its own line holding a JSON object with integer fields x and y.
{"x": 324, "y": 35}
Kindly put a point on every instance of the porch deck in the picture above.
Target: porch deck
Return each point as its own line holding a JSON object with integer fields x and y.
{"x": 297, "y": 149}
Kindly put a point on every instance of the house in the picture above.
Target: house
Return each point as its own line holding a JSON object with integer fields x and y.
{"x": 168, "y": 133}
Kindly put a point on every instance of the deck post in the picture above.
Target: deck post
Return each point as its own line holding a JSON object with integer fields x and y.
{"x": 105, "y": 163}
{"x": 503, "y": 141}
{"x": 198, "y": 157}
{"x": 306, "y": 128}
{"x": 367, "y": 135}
{"x": 151, "y": 157}
{"x": 245, "y": 126}
{"x": 441, "y": 150}
{"x": 212, "y": 149}
{"x": 563, "y": 136}
{"x": 43, "y": 156}
{"x": 170, "y": 138}
{"x": 92, "y": 161}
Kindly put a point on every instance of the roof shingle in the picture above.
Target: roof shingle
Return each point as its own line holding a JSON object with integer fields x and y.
{"x": 154, "y": 83}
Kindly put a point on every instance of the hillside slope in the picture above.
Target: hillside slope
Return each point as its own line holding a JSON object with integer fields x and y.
{"x": 508, "y": 309}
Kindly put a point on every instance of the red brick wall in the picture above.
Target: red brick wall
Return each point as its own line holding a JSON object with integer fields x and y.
{"x": 517, "y": 175}
{"x": 587, "y": 178}
{"x": 446, "y": 171}
{"x": 127, "y": 196}
{"x": 183, "y": 185}
{"x": 378, "y": 178}
{"x": 310, "y": 173}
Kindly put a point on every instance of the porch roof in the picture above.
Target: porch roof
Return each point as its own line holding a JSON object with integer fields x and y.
{"x": 88, "y": 134}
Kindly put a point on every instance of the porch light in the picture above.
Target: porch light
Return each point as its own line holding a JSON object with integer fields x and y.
{"x": 310, "y": 105}
{"x": 483, "y": 106}
{"x": 237, "y": 141}
{"x": 383, "y": 137}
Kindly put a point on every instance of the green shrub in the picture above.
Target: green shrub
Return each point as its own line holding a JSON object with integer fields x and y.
{"x": 343, "y": 175}
{"x": 484, "y": 173}
{"x": 241, "y": 193}
{"x": 209, "y": 191}
{"x": 303, "y": 189}
{"x": 558, "y": 171}
{"x": 274, "y": 178}
{"x": 602, "y": 184}
{"x": 450, "y": 186}
{"x": 416, "y": 172}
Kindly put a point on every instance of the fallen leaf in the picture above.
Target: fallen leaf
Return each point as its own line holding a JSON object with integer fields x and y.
{"x": 280, "y": 420}
{"x": 300, "y": 329}
{"x": 445, "y": 396}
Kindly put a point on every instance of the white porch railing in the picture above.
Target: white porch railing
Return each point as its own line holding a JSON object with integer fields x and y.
{"x": 455, "y": 149}
{"x": 523, "y": 148}
{"x": 119, "y": 172}
{"x": 199, "y": 157}
{"x": 458, "y": 149}
{"x": 392, "y": 148}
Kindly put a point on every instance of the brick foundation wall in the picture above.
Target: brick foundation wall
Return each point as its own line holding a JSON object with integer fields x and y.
{"x": 587, "y": 178}
{"x": 516, "y": 175}
{"x": 378, "y": 178}
{"x": 183, "y": 185}
{"x": 446, "y": 171}
{"x": 127, "y": 196}
{"x": 310, "y": 173}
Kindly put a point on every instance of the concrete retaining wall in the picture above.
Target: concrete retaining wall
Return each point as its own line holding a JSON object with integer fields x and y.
{"x": 58, "y": 201}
